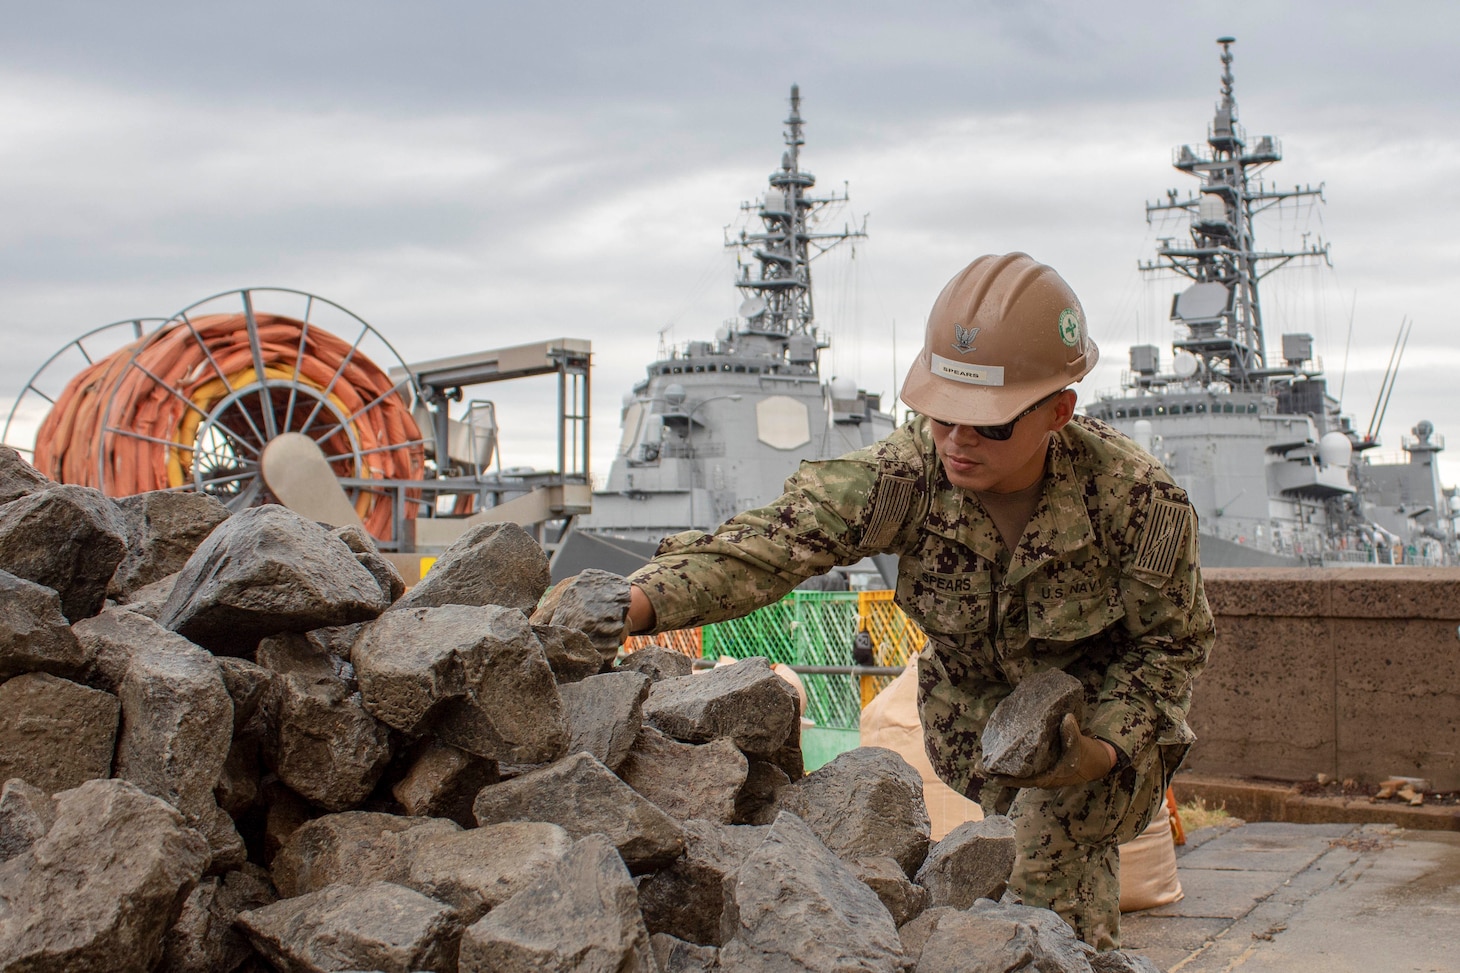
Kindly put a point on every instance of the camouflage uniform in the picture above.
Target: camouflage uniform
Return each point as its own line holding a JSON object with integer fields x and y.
{"x": 1104, "y": 585}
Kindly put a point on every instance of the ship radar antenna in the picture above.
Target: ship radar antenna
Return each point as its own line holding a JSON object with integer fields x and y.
{"x": 1227, "y": 78}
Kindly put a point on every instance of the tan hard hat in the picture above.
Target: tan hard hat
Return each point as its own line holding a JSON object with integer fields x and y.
{"x": 1006, "y": 332}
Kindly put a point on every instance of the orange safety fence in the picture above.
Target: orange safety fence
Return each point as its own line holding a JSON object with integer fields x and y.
{"x": 134, "y": 421}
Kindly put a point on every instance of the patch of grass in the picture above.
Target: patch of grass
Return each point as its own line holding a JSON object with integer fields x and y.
{"x": 1195, "y": 814}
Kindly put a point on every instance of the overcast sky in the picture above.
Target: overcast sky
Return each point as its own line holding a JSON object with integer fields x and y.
{"x": 465, "y": 175}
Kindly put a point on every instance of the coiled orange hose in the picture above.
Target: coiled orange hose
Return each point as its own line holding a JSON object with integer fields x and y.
{"x": 135, "y": 420}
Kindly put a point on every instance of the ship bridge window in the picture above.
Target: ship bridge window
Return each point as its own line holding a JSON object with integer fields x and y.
{"x": 1186, "y": 409}
{"x": 1147, "y": 411}
{"x": 1252, "y": 407}
{"x": 1226, "y": 407}
{"x": 1201, "y": 407}
{"x": 1160, "y": 410}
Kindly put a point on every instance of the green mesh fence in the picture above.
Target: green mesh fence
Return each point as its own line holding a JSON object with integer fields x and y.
{"x": 809, "y": 628}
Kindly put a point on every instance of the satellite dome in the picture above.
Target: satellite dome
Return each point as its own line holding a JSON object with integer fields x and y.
{"x": 1334, "y": 449}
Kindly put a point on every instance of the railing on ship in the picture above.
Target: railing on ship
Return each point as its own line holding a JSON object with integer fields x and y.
{"x": 812, "y": 631}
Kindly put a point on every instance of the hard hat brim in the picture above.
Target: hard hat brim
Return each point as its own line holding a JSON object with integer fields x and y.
{"x": 966, "y": 404}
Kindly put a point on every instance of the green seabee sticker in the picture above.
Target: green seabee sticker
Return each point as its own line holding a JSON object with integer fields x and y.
{"x": 1069, "y": 327}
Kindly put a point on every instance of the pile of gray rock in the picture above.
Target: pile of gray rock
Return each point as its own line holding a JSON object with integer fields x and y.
{"x": 236, "y": 743}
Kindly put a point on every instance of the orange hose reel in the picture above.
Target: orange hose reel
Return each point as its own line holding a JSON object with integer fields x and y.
{"x": 186, "y": 407}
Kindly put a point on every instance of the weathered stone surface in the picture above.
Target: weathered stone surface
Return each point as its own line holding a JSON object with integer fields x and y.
{"x": 479, "y": 869}
{"x": 579, "y": 915}
{"x": 756, "y": 801}
{"x": 583, "y": 797}
{"x": 237, "y": 791}
{"x": 491, "y": 564}
{"x": 203, "y": 939}
{"x": 352, "y": 848}
{"x": 55, "y": 734}
{"x": 98, "y": 892}
{"x": 796, "y": 906}
{"x": 26, "y": 814}
{"x": 34, "y": 635}
{"x": 150, "y": 598}
{"x": 247, "y": 683}
{"x": 380, "y": 926}
{"x": 993, "y": 938}
{"x": 1118, "y": 961}
{"x": 285, "y": 813}
{"x": 677, "y": 956}
{"x": 68, "y": 538}
{"x": 177, "y": 716}
{"x": 443, "y": 781}
{"x": 477, "y": 674}
{"x": 264, "y": 571}
{"x": 17, "y": 477}
{"x": 325, "y": 745}
{"x": 687, "y": 898}
{"x": 883, "y": 875}
{"x": 392, "y": 585}
{"x": 973, "y": 861}
{"x": 657, "y": 662}
{"x": 746, "y": 702}
{"x": 866, "y": 802}
{"x": 605, "y": 713}
{"x": 686, "y": 780}
{"x": 570, "y": 653}
{"x": 162, "y": 530}
{"x": 596, "y": 603}
{"x": 1022, "y": 736}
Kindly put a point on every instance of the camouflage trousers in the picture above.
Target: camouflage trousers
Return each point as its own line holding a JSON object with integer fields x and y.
{"x": 1067, "y": 843}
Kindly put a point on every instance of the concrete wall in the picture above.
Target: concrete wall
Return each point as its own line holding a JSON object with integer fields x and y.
{"x": 1351, "y": 672}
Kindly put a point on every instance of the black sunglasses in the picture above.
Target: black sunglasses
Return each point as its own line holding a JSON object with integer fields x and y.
{"x": 1003, "y": 430}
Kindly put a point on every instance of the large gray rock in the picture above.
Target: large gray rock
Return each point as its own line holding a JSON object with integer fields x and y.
{"x": 323, "y": 743}
{"x": 392, "y": 585}
{"x": 596, "y": 603}
{"x": 797, "y": 906}
{"x": 162, "y": 529}
{"x": 686, "y": 780}
{"x": 583, "y": 797}
{"x": 1022, "y": 735}
{"x": 657, "y": 662}
{"x": 605, "y": 713}
{"x": 55, "y": 734}
{"x": 973, "y": 861}
{"x": 352, "y": 848}
{"x": 1118, "y": 961}
{"x": 443, "y": 781}
{"x": 34, "y": 635}
{"x": 580, "y": 915}
{"x": 866, "y": 802}
{"x": 99, "y": 891}
{"x": 746, "y": 702}
{"x": 203, "y": 940}
{"x": 479, "y": 869}
{"x": 264, "y": 571}
{"x": 570, "y": 653}
{"x": 491, "y": 564}
{"x": 381, "y": 926}
{"x": 677, "y": 956}
{"x": 757, "y": 798}
{"x": 993, "y": 938}
{"x": 247, "y": 684}
{"x": 17, "y": 477}
{"x": 687, "y": 899}
{"x": 177, "y": 717}
{"x": 883, "y": 875}
{"x": 26, "y": 814}
{"x": 476, "y": 675}
{"x": 68, "y": 538}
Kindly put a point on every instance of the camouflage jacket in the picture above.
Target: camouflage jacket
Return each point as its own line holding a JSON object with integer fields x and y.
{"x": 1104, "y": 583}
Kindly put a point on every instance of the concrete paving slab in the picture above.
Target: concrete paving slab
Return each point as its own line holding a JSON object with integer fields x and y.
{"x": 1374, "y": 898}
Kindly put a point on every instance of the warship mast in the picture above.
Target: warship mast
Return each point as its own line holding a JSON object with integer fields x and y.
{"x": 1219, "y": 316}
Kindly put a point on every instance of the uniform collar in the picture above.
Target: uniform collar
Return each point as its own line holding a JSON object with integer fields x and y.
{"x": 1060, "y": 525}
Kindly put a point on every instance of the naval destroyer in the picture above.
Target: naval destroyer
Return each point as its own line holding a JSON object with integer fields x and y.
{"x": 717, "y": 425}
{"x": 1278, "y": 475}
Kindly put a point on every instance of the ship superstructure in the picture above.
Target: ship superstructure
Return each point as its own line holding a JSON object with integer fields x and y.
{"x": 717, "y": 425}
{"x": 1276, "y": 472}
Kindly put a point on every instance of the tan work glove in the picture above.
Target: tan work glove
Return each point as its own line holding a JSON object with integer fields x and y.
{"x": 1083, "y": 759}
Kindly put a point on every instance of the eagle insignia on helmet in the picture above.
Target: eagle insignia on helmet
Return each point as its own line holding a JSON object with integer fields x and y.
{"x": 965, "y": 336}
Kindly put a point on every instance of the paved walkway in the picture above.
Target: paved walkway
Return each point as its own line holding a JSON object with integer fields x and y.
{"x": 1292, "y": 898}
